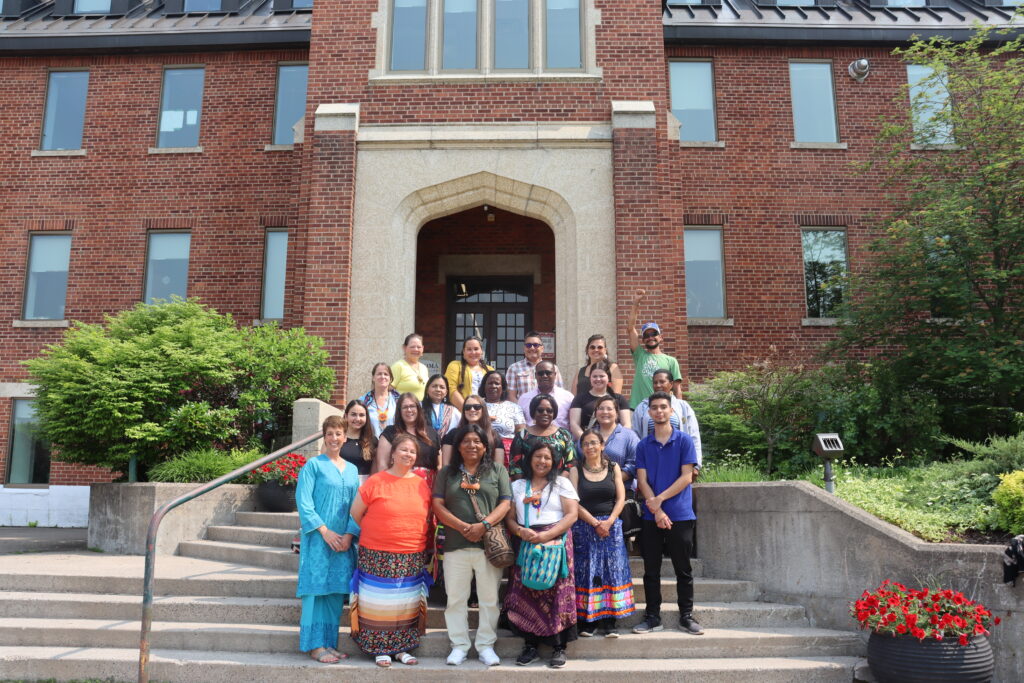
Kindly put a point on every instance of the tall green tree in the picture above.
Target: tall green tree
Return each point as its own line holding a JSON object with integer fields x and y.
{"x": 161, "y": 379}
{"x": 942, "y": 299}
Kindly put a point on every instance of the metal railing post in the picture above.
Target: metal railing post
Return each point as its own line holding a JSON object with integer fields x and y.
{"x": 154, "y": 526}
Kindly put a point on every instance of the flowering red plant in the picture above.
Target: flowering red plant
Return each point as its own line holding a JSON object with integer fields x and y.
{"x": 284, "y": 470}
{"x": 894, "y": 609}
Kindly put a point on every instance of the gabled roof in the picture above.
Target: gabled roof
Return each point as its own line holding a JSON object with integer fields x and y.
{"x": 842, "y": 21}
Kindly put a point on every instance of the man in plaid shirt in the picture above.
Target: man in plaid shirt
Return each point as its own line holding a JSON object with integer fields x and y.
{"x": 521, "y": 376}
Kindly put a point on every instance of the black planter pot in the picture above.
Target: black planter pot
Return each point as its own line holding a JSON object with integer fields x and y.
{"x": 905, "y": 659}
{"x": 275, "y": 497}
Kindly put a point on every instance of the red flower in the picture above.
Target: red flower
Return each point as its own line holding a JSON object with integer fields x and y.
{"x": 998, "y": 621}
{"x": 862, "y": 616}
{"x": 963, "y": 639}
{"x": 901, "y": 628}
{"x": 979, "y": 629}
{"x": 938, "y": 635}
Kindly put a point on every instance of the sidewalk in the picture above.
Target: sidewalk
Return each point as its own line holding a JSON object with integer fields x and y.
{"x": 23, "y": 539}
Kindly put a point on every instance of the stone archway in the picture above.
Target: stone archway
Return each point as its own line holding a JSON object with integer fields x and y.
{"x": 570, "y": 191}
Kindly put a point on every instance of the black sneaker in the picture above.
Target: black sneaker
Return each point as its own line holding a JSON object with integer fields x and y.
{"x": 557, "y": 659}
{"x": 649, "y": 625}
{"x": 527, "y": 656}
{"x": 687, "y": 624}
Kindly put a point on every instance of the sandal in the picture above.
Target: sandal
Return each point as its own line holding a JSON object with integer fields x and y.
{"x": 383, "y": 661}
{"x": 324, "y": 656}
{"x": 406, "y": 658}
{"x": 339, "y": 655}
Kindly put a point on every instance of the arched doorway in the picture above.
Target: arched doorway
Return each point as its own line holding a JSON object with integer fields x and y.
{"x": 484, "y": 272}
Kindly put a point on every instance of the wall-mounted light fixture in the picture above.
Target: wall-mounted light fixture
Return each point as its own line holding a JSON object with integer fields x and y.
{"x": 859, "y": 69}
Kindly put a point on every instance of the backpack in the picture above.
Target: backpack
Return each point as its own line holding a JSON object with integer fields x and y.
{"x": 1013, "y": 560}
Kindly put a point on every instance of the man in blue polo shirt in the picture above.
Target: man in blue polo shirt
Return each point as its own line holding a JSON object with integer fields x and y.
{"x": 664, "y": 472}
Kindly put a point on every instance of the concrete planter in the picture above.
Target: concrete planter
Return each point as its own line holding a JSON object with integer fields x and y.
{"x": 119, "y": 514}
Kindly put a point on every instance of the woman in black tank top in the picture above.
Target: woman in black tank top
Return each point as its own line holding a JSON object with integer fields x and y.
{"x": 604, "y": 586}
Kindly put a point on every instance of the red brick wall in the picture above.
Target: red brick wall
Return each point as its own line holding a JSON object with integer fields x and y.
{"x": 468, "y": 232}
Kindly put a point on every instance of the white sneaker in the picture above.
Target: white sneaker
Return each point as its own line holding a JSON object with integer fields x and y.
{"x": 489, "y": 657}
{"x": 456, "y": 657}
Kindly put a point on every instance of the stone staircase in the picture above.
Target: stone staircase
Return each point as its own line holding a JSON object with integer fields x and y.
{"x": 225, "y": 611}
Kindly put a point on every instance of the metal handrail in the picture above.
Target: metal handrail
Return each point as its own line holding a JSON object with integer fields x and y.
{"x": 154, "y": 525}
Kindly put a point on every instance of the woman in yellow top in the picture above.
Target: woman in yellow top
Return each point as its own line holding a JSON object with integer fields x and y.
{"x": 465, "y": 375}
{"x": 409, "y": 374}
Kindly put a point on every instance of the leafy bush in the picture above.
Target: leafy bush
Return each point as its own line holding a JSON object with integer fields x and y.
{"x": 1006, "y": 453}
{"x": 160, "y": 379}
{"x": 202, "y": 465}
{"x": 1009, "y": 500}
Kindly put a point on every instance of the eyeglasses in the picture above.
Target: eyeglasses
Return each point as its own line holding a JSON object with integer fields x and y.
{"x": 543, "y": 373}
{"x": 466, "y": 407}
{"x": 533, "y": 345}
{"x": 410, "y": 407}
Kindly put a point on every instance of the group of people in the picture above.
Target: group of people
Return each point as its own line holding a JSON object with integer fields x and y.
{"x": 437, "y": 465}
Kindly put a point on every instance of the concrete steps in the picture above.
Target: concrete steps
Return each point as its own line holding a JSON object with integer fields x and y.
{"x": 120, "y": 664}
{"x": 225, "y": 611}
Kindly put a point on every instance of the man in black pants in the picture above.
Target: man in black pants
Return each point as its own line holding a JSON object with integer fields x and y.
{"x": 664, "y": 472}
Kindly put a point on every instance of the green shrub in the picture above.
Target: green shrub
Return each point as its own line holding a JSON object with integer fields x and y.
{"x": 1006, "y": 453}
{"x": 157, "y": 380}
{"x": 1009, "y": 500}
{"x": 202, "y": 465}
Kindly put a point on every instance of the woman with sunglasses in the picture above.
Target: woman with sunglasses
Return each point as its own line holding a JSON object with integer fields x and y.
{"x": 381, "y": 400}
{"x": 597, "y": 350}
{"x": 543, "y": 409}
{"x": 474, "y": 412}
{"x": 466, "y": 374}
{"x": 439, "y": 411}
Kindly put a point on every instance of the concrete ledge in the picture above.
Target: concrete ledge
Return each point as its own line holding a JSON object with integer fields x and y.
{"x": 58, "y": 152}
{"x": 176, "y": 150}
{"x": 40, "y": 323}
{"x": 119, "y": 514}
{"x": 817, "y": 145}
{"x": 814, "y": 549}
{"x": 335, "y": 117}
{"x": 710, "y": 322}
{"x": 633, "y": 114}
{"x": 308, "y": 415}
{"x": 718, "y": 144}
{"x": 937, "y": 147}
{"x": 278, "y": 148}
{"x": 819, "y": 322}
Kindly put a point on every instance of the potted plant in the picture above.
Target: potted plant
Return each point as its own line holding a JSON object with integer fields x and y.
{"x": 928, "y": 635}
{"x": 275, "y": 482}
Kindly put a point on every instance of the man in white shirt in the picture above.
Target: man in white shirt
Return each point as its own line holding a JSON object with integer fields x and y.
{"x": 682, "y": 418}
{"x": 546, "y": 373}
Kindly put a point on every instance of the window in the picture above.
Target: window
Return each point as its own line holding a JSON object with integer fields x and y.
{"x": 65, "y": 109}
{"x": 47, "y": 285}
{"x": 511, "y": 34}
{"x": 180, "y": 107}
{"x": 814, "y": 103}
{"x": 275, "y": 261}
{"x": 929, "y": 106}
{"x": 92, "y": 6}
{"x": 167, "y": 265}
{"x": 29, "y": 456}
{"x": 824, "y": 270}
{"x": 202, "y": 6}
{"x": 302, "y": 4}
{"x": 484, "y": 36}
{"x": 705, "y": 281}
{"x": 693, "y": 100}
{"x": 905, "y": 3}
{"x": 291, "y": 101}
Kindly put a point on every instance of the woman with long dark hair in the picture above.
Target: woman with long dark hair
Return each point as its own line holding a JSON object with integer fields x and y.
{"x": 381, "y": 400}
{"x": 544, "y": 508}
{"x": 438, "y": 408}
{"x": 410, "y": 421}
{"x": 466, "y": 374}
{"x": 472, "y": 474}
{"x": 360, "y": 443}
{"x": 474, "y": 412}
{"x": 597, "y": 351}
{"x": 581, "y": 412}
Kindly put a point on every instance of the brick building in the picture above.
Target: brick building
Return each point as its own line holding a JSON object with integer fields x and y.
{"x": 369, "y": 167}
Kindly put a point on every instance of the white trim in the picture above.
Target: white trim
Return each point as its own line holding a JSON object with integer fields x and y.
{"x": 176, "y": 150}
{"x": 720, "y": 144}
{"x": 817, "y": 145}
{"x": 40, "y": 323}
{"x": 710, "y": 322}
{"x": 490, "y": 135}
{"x": 58, "y": 152}
{"x": 17, "y": 390}
{"x": 633, "y": 114}
{"x": 278, "y": 148}
{"x": 819, "y": 322}
{"x": 334, "y": 117}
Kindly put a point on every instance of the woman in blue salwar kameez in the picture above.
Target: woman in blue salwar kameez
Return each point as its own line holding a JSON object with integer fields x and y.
{"x": 326, "y": 488}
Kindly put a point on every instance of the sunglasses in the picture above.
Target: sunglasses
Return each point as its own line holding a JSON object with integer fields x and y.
{"x": 533, "y": 345}
{"x": 471, "y": 406}
{"x": 650, "y": 335}
{"x": 543, "y": 373}
{"x": 544, "y": 410}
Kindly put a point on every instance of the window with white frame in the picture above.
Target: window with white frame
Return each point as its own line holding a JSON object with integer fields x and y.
{"x": 46, "y": 286}
{"x": 92, "y": 6}
{"x": 275, "y": 263}
{"x": 28, "y": 460}
{"x": 167, "y": 265}
{"x": 691, "y": 85}
{"x": 824, "y": 252}
{"x": 705, "y": 274}
{"x": 929, "y": 106}
{"x": 814, "y": 102}
{"x": 437, "y": 37}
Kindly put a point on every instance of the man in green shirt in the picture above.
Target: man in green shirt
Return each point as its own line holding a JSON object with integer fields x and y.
{"x": 645, "y": 345}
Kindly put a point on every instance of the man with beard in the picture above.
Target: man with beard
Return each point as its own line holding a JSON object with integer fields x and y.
{"x": 648, "y": 356}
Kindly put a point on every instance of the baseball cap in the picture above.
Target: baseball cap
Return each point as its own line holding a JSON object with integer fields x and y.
{"x": 650, "y": 326}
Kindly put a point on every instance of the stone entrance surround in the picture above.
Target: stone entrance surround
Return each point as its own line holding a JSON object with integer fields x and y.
{"x": 407, "y": 176}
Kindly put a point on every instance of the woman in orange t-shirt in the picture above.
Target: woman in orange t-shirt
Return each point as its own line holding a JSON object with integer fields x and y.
{"x": 389, "y": 597}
